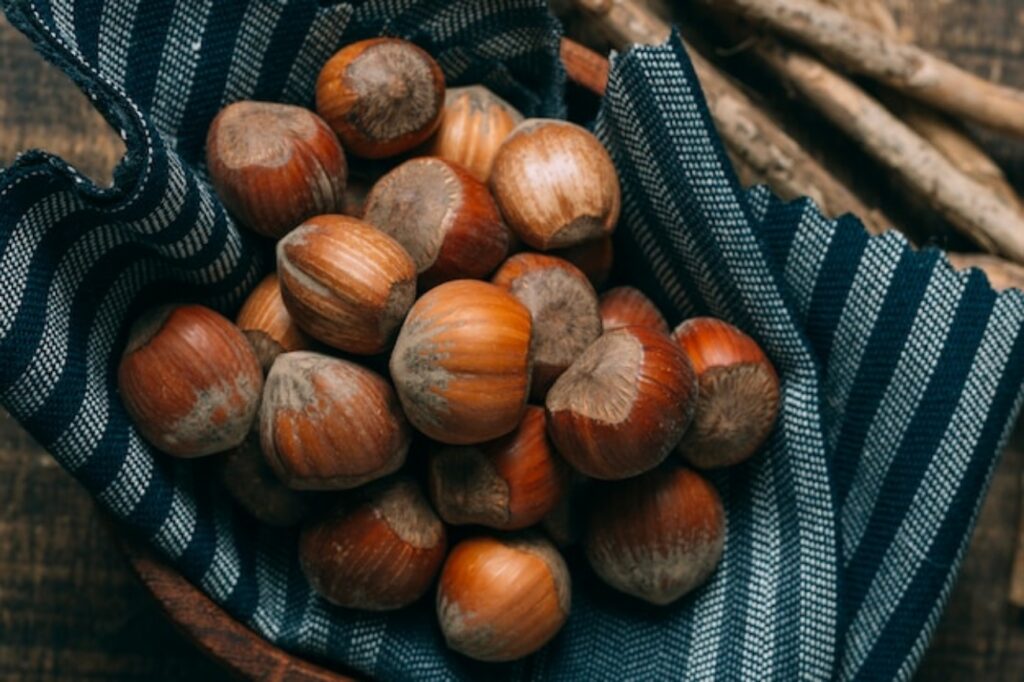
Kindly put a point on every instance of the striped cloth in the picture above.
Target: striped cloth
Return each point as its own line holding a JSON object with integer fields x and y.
{"x": 901, "y": 376}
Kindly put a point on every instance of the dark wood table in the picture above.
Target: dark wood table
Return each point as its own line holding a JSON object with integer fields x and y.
{"x": 70, "y": 608}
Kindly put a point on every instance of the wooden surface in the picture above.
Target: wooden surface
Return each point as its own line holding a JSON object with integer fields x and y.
{"x": 237, "y": 648}
{"x": 70, "y": 608}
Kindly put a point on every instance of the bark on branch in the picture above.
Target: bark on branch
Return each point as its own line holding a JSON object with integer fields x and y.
{"x": 863, "y": 49}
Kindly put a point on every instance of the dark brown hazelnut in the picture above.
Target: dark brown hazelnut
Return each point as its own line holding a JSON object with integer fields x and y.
{"x": 739, "y": 393}
{"x": 656, "y": 536}
{"x": 622, "y": 407}
{"x": 443, "y": 217}
{"x": 564, "y": 308}
{"x": 382, "y": 96}
{"x": 378, "y": 550}
{"x": 509, "y": 483}
{"x": 274, "y": 165}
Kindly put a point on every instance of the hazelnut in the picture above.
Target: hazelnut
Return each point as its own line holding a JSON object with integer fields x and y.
{"x": 566, "y": 522}
{"x": 656, "y": 536}
{"x": 265, "y": 321}
{"x": 555, "y": 184}
{"x": 622, "y": 407}
{"x": 626, "y": 307}
{"x": 499, "y": 599}
{"x": 474, "y": 124}
{"x": 378, "y": 550}
{"x": 739, "y": 393}
{"x": 329, "y": 424}
{"x": 274, "y": 165}
{"x": 345, "y": 283}
{"x": 208, "y": 377}
{"x": 443, "y": 217}
{"x": 564, "y": 308}
{"x": 382, "y": 96}
{"x": 509, "y": 483}
{"x": 356, "y": 192}
{"x": 594, "y": 258}
{"x": 461, "y": 363}
{"x": 253, "y": 485}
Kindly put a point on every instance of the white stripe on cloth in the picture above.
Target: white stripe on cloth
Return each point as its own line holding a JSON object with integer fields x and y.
{"x": 321, "y": 41}
{"x": 907, "y": 386}
{"x": 117, "y": 21}
{"x": 906, "y": 670}
{"x": 868, "y": 291}
{"x": 177, "y": 528}
{"x": 365, "y": 640}
{"x": 177, "y": 72}
{"x": 272, "y": 589}
{"x": 258, "y": 24}
{"x": 806, "y": 256}
{"x": 758, "y": 643}
{"x": 64, "y": 19}
{"x": 77, "y": 444}
{"x": 942, "y": 478}
{"x": 132, "y": 480}
{"x": 225, "y": 567}
{"x": 21, "y": 248}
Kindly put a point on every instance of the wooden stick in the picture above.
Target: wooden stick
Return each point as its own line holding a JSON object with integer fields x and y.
{"x": 969, "y": 205}
{"x": 865, "y": 50}
{"x": 748, "y": 132}
{"x": 946, "y": 135}
{"x": 1002, "y": 275}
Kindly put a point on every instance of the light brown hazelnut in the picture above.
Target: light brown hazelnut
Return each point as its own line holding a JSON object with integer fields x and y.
{"x": 555, "y": 184}
{"x": 189, "y": 380}
{"x": 330, "y": 424}
{"x": 345, "y": 283}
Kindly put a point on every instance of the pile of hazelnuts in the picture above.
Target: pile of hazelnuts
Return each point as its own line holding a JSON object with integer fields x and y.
{"x": 380, "y": 331}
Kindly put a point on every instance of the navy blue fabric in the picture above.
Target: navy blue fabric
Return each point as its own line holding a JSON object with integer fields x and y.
{"x": 901, "y": 377}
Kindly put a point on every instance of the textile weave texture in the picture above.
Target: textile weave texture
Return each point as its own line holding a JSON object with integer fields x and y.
{"x": 901, "y": 377}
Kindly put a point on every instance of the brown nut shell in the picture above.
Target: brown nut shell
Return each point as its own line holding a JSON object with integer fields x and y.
{"x": 628, "y": 307}
{"x": 208, "y": 377}
{"x": 594, "y": 258}
{"x": 474, "y": 124}
{"x": 345, "y": 283}
{"x": 622, "y": 407}
{"x": 443, "y": 217}
{"x": 564, "y": 308}
{"x": 502, "y": 598}
{"x": 255, "y": 487}
{"x": 509, "y": 483}
{"x": 555, "y": 184}
{"x": 267, "y": 324}
{"x": 378, "y": 550}
{"x": 739, "y": 393}
{"x": 382, "y": 96}
{"x": 274, "y": 165}
{"x": 461, "y": 364}
{"x": 330, "y": 424}
{"x": 656, "y": 536}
